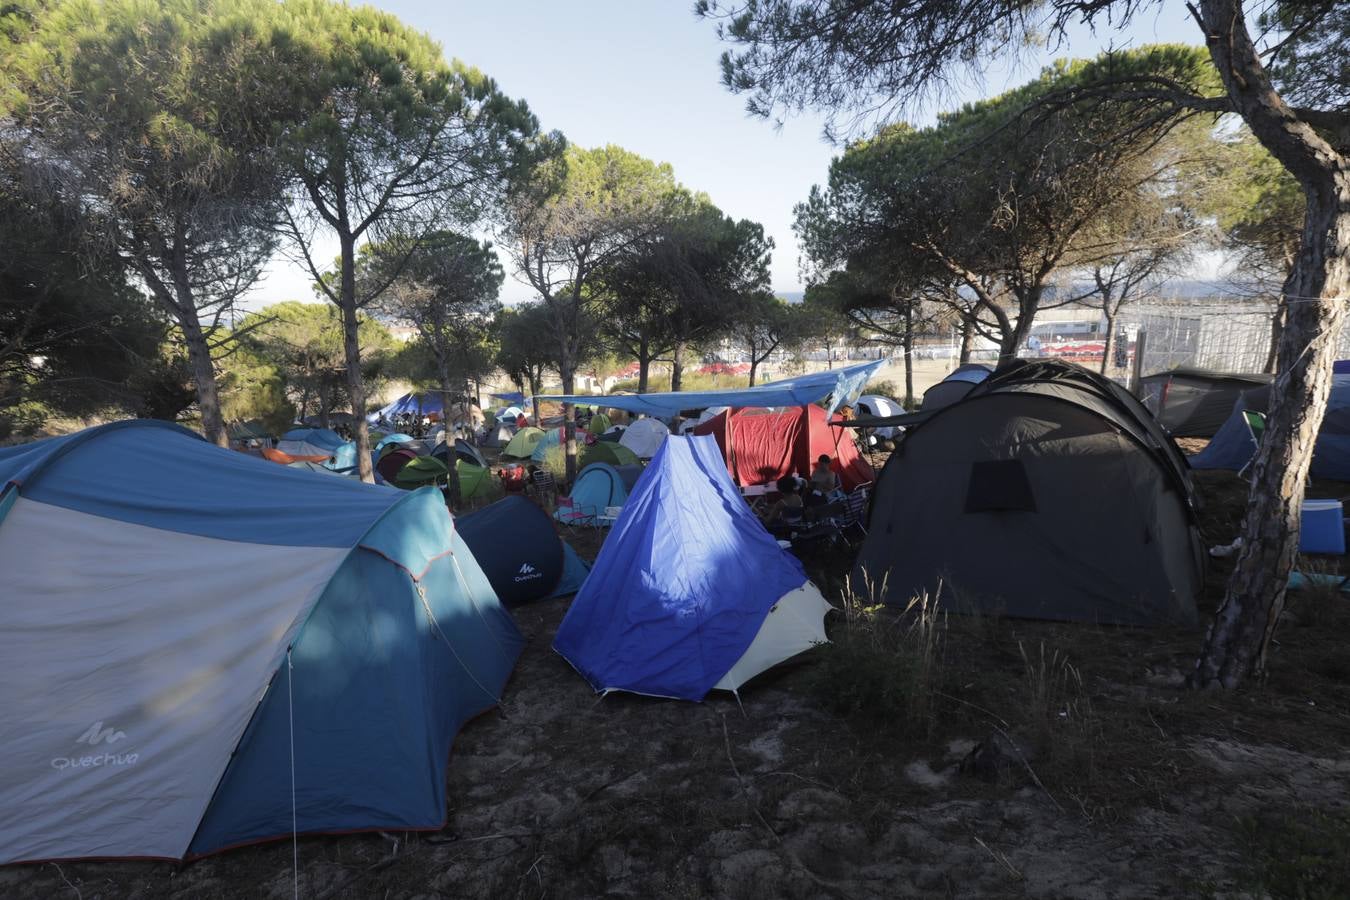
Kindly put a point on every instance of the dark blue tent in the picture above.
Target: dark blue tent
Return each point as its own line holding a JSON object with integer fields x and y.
{"x": 1233, "y": 446}
{"x": 519, "y": 551}
{"x": 689, "y": 592}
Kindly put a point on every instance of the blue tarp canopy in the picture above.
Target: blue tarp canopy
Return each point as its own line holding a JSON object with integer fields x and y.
{"x": 682, "y": 585}
{"x": 842, "y": 386}
{"x": 416, "y": 404}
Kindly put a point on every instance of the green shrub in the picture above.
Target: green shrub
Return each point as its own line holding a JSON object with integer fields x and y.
{"x": 882, "y": 666}
{"x": 1058, "y": 713}
{"x": 555, "y": 461}
{"x": 1299, "y": 857}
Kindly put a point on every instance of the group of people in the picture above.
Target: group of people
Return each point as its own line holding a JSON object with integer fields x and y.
{"x": 796, "y": 496}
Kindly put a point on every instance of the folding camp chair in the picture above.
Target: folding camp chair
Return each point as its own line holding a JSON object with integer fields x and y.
{"x": 850, "y": 512}
{"x": 1256, "y": 425}
{"x": 572, "y": 513}
{"x": 855, "y": 511}
{"x": 543, "y": 487}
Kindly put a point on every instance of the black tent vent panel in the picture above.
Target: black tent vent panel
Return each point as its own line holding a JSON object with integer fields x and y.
{"x": 999, "y": 485}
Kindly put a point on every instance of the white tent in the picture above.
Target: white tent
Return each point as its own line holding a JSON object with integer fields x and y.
{"x": 645, "y": 436}
{"x": 876, "y": 405}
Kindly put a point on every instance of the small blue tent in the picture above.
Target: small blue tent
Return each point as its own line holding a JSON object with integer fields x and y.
{"x": 170, "y": 652}
{"x": 344, "y": 457}
{"x": 1234, "y": 445}
{"x": 396, "y": 438}
{"x": 689, "y": 592}
{"x": 552, "y": 438}
{"x": 600, "y": 485}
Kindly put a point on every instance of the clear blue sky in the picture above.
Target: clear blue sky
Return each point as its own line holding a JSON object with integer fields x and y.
{"x": 644, "y": 74}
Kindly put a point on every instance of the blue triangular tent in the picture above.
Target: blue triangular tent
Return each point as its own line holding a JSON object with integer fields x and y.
{"x": 683, "y": 585}
{"x": 1233, "y": 446}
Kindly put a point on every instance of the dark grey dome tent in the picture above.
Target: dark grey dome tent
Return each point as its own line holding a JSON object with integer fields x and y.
{"x": 1048, "y": 492}
{"x": 1196, "y": 402}
{"x": 463, "y": 450}
{"x": 955, "y": 386}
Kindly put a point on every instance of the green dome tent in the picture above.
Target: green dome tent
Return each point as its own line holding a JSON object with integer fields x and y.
{"x": 605, "y": 452}
{"x": 523, "y": 444}
{"x": 599, "y": 424}
{"x": 473, "y": 480}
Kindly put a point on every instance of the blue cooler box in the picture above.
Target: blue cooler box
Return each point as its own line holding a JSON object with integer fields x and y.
{"x": 1323, "y": 527}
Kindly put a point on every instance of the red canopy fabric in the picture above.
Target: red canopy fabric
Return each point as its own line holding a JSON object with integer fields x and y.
{"x": 764, "y": 446}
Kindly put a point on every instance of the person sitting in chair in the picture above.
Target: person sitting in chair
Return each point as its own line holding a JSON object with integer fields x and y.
{"x": 824, "y": 481}
{"x": 787, "y": 510}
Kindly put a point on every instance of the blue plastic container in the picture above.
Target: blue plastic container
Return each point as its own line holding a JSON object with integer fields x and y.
{"x": 1323, "y": 528}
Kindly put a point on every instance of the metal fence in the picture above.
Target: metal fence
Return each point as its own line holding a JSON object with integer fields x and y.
{"x": 1227, "y": 338}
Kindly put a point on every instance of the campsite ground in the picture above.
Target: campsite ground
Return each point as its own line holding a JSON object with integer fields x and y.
{"x": 1099, "y": 775}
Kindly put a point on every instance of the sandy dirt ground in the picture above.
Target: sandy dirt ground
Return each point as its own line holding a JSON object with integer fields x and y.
{"x": 563, "y": 794}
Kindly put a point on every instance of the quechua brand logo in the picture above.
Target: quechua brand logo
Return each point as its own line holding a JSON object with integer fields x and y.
{"x": 527, "y": 573}
{"x": 100, "y": 740}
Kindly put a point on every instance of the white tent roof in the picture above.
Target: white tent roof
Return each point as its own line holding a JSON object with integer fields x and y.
{"x": 794, "y": 624}
{"x": 645, "y": 436}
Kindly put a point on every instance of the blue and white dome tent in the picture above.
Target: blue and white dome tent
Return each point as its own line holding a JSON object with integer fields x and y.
{"x": 310, "y": 442}
{"x": 690, "y": 592}
{"x": 175, "y": 635}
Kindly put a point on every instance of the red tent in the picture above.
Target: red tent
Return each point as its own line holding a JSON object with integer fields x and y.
{"x": 764, "y": 446}
{"x": 392, "y": 462}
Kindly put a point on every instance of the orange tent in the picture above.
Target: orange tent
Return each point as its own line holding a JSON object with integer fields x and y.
{"x": 277, "y": 456}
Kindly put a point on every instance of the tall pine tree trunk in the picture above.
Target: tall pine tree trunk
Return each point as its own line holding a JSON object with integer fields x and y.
{"x": 1238, "y": 639}
{"x": 204, "y": 375}
{"x": 184, "y": 307}
{"x": 1109, "y": 345}
{"x": 1276, "y": 326}
{"x": 1016, "y": 334}
{"x": 325, "y": 394}
{"x": 452, "y": 459}
{"x": 351, "y": 345}
{"x": 567, "y": 369}
{"x": 676, "y": 365}
{"x": 967, "y": 340}
{"x": 1236, "y": 643}
{"x": 908, "y": 343}
{"x": 754, "y": 367}
{"x": 644, "y": 364}
{"x": 536, "y": 388}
